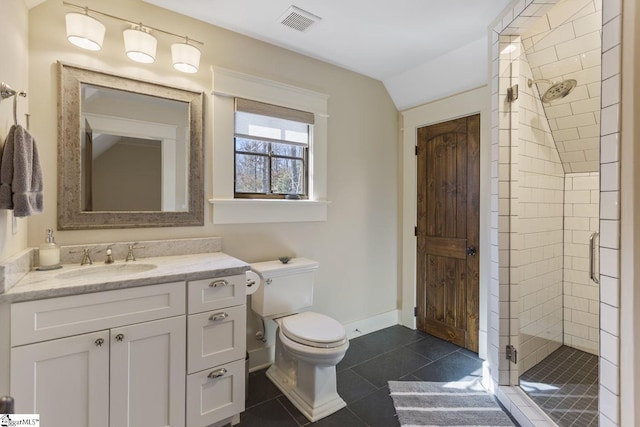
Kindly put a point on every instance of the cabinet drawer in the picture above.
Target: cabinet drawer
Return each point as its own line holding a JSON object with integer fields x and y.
{"x": 216, "y": 337}
{"x": 41, "y": 320}
{"x": 211, "y": 294}
{"x": 215, "y": 394}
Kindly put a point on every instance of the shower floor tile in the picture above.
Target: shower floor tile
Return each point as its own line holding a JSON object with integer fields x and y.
{"x": 565, "y": 386}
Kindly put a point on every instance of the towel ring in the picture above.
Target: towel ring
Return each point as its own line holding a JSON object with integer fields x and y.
{"x": 7, "y": 92}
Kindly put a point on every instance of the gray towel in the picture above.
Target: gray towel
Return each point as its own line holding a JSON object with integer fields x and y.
{"x": 20, "y": 174}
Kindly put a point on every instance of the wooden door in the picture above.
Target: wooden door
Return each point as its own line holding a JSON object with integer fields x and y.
{"x": 66, "y": 380}
{"x": 148, "y": 368}
{"x": 448, "y": 230}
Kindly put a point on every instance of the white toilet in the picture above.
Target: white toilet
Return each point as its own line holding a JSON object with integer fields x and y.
{"x": 308, "y": 345}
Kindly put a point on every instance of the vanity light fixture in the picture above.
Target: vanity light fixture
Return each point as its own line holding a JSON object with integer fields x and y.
{"x": 84, "y": 31}
{"x": 140, "y": 45}
{"x": 186, "y": 57}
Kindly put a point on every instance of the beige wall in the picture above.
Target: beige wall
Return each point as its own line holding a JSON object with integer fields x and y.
{"x": 128, "y": 176}
{"x": 13, "y": 71}
{"x": 356, "y": 246}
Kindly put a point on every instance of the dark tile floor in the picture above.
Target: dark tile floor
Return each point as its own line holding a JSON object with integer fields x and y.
{"x": 395, "y": 353}
{"x": 565, "y": 386}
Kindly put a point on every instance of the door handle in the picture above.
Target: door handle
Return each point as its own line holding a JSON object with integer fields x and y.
{"x": 592, "y": 258}
{"x": 471, "y": 251}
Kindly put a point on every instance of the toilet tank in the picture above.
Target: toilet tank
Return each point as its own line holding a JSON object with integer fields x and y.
{"x": 284, "y": 288}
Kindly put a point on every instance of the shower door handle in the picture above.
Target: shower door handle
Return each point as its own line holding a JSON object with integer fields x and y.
{"x": 592, "y": 258}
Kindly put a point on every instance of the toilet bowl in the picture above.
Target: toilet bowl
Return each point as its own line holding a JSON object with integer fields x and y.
{"x": 308, "y": 345}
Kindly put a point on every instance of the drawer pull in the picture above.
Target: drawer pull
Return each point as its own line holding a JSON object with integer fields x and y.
{"x": 218, "y": 373}
{"x": 218, "y": 283}
{"x": 218, "y": 316}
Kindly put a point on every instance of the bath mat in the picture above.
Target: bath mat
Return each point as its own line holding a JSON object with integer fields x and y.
{"x": 458, "y": 403}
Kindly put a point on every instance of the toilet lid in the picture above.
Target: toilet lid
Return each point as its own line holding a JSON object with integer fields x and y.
{"x": 313, "y": 329}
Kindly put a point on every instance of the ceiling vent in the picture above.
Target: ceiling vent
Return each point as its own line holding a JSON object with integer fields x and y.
{"x": 298, "y": 19}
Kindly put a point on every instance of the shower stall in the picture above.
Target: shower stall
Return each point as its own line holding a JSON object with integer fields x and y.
{"x": 549, "y": 192}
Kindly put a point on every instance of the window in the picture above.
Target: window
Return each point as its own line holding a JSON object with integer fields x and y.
{"x": 257, "y": 208}
{"x": 271, "y": 147}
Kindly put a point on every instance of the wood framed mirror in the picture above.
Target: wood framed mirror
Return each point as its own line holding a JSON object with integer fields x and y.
{"x": 130, "y": 153}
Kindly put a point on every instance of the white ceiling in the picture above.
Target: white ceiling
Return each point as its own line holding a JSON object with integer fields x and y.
{"x": 381, "y": 39}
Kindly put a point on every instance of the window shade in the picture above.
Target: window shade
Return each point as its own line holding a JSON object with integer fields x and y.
{"x": 260, "y": 108}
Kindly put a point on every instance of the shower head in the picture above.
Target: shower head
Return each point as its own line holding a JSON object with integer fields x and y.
{"x": 556, "y": 90}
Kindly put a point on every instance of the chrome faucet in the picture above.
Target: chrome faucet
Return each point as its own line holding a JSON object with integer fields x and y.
{"x": 86, "y": 256}
{"x": 130, "y": 255}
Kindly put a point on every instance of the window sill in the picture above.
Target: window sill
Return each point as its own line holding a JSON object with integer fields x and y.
{"x": 253, "y": 211}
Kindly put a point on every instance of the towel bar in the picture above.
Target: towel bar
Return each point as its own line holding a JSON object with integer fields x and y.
{"x": 7, "y": 92}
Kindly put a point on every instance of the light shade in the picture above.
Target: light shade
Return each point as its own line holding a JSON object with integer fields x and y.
{"x": 84, "y": 31}
{"x": 140, "y": 45}
{"x": 186, "y": 58}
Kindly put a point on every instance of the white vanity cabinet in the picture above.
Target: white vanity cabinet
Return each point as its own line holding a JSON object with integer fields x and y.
{"x": 147, "y": 372}
{"x": 66, "y": 380}
{"x": 216, "y": 349}
{"x": 123, "y": 365}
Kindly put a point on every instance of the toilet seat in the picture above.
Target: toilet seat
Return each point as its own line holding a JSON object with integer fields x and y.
{"x": 314, "y": 330}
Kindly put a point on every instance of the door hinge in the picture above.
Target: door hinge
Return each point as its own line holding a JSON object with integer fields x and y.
{"x": 416, "y": 150}
{"x": 415, "y": 231}
{"x": 415, "y": 311}
{"x": 512, "y": 353}
{"x": 512, "y": 93}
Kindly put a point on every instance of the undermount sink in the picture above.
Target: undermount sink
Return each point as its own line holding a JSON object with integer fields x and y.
{"x": 106, "y": 271}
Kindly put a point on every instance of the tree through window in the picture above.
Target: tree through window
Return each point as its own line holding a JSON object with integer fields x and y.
{"x": 271, "y": 150}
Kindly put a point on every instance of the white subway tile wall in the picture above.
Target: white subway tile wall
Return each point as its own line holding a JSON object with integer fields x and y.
{"x": 537, "y": 221}
{"x": 581, "y": 294}
{"x": 565, "y": 44}
{"x": 501, "y": 272}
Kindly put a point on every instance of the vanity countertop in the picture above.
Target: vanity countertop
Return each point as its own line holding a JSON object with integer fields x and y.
{"x": 64, "y": 281}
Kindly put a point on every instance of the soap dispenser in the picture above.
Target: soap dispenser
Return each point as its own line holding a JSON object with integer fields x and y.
{"x": 49, "y": 252}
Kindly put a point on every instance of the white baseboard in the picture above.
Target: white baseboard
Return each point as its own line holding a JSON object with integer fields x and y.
{"x": 261, "y": 358}
{"x": 372, "y": 324}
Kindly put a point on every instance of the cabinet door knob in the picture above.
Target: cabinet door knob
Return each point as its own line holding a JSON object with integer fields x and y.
{"x": 99, "y": 342}
{"x": 119, "y": 337}
{"x": 218, "y": 283}
{"x": 218, "y": 316}
{"x": 217, "y": 374}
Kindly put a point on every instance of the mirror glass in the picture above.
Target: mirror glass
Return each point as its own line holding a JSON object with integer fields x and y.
{"x": 130, "y": 153}
{"x": 137, "y": 144}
